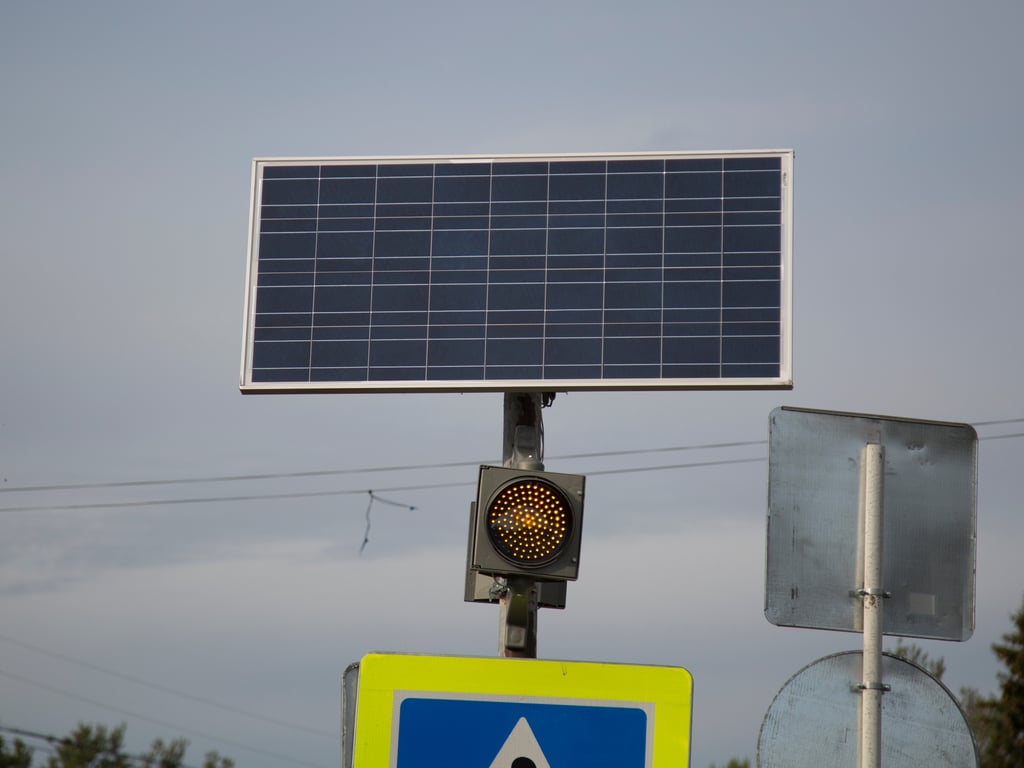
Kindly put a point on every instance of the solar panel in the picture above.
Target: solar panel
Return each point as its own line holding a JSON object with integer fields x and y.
{"x": 504, "y": 273}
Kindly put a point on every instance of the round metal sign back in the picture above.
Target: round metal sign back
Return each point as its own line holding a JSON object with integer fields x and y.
{"x": 814, "y": 719}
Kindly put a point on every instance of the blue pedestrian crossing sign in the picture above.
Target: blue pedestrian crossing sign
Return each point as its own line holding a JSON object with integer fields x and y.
{"x": 451, "y": 712}
{"x": 503, "y": 734}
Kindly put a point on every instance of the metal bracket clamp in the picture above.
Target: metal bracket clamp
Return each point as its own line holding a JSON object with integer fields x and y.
{"x": 871, "y": 593}
{"x": 498, "y": 588}
{"x": 872, "y": 687}
{"x": 520, "y": 624}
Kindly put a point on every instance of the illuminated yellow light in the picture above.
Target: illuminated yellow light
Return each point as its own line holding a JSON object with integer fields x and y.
{"x": 529, "y": 522}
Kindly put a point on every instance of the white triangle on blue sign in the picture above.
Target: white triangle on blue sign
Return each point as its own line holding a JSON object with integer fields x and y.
{"x": 520, "y": 749}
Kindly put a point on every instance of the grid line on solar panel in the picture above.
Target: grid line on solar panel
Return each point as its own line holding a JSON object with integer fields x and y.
{"x": 376, "y": 261}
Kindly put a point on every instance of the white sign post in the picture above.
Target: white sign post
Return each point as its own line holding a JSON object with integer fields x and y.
{"x": 862, "y": 511}
{"x": 872, "y": 687}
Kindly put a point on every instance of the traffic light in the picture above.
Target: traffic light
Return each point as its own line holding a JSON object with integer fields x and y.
{"x": 527, "y": 523}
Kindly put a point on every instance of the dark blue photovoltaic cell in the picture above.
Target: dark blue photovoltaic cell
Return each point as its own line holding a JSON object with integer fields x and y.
{"x": 479, "y": 272}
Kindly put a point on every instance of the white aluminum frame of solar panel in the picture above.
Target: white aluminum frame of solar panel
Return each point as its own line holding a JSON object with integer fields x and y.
{"x": 626, "y": 271}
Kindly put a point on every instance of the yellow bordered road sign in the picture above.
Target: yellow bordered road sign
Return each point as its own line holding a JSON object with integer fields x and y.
{"x": 433, "y": 711}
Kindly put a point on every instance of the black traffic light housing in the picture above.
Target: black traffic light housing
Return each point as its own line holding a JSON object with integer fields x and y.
{"x": 527, "y": 523}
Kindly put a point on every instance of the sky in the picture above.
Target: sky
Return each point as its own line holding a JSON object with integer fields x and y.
{"x": 225, "y": 612}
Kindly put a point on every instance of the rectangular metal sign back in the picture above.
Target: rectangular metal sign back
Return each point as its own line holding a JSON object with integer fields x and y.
{"x": 502, "y": 273}
{"x": 814, "y": 534}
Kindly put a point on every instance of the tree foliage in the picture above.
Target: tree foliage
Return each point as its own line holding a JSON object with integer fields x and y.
{"x": 1003, "y": 715}
{"x": 974, "y": 705}
{"x": 914, "y": 653}
{"x": 91, "y": 747}
{"x": 214, "y": 760}
{"x": 17, "y": 755}
{"x": 96, "y": 746}
{"x": 163, "y": 755}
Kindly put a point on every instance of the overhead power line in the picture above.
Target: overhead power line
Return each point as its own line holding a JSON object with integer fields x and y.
{"x": 216, "y": 499}
{"x": 155, "y": 721}
{"x": 379, "y": 469}
{"x": 691, "y": 465}
{"x": 353, "y": 471}
{"x": 255, "y": 476}
{"x": 338, "y": 492}
{"x": 162, "y": 688}
{"x": 1001, "y": 437}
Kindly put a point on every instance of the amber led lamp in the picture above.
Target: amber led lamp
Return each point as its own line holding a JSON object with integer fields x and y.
{"x": 529, "y": 522}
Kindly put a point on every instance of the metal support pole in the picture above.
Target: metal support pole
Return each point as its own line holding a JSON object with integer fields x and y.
{"x": 517, "y": 617}
{"x": 873, "y": 594}
{"x": 522, "y": 448}
{"x": 523, "y": 431}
